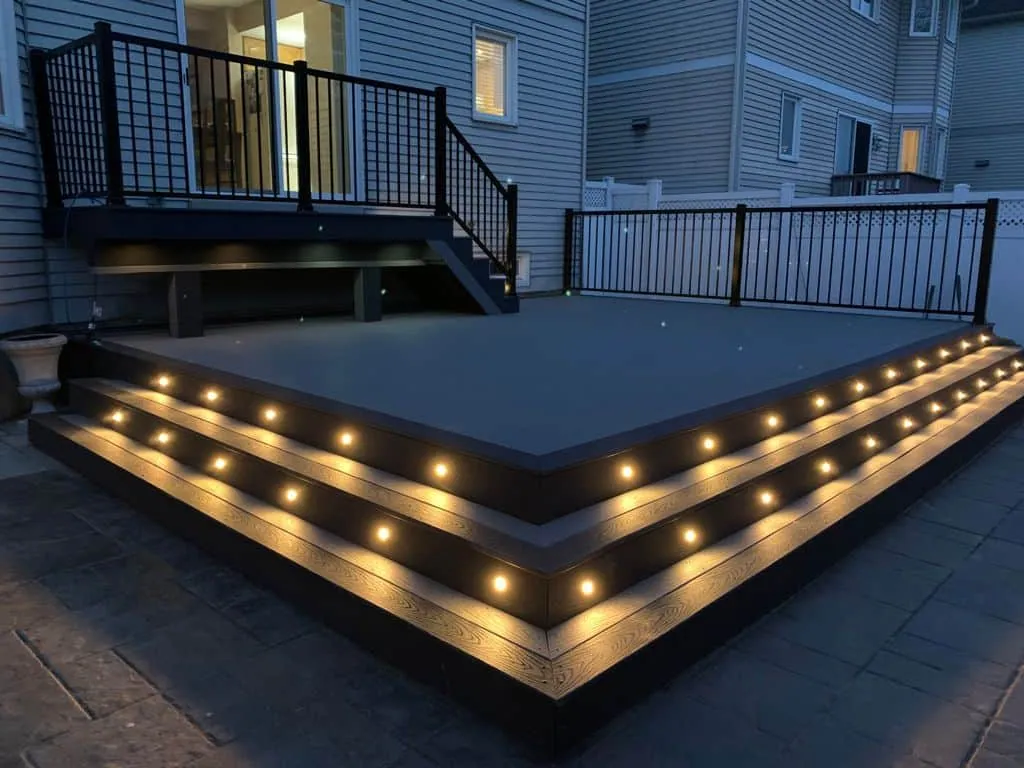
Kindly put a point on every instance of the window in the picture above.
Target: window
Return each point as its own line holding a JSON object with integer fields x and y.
{"x": 10, "y": 81}
{"x": 853, "y": 145}
{"x": 789, "y": 128}
{"x": 952, "y": 20}
{"x": 867, "y": 8}
{"x": 941, "y": 149}
{"x": 922, "y": 18}
{"x": 494, "y": 76}
{"x": 911, "y": 144}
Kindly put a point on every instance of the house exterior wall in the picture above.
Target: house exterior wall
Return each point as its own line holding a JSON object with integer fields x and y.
{"x": 987, "y": 121}
{"x": 543, "y": 153}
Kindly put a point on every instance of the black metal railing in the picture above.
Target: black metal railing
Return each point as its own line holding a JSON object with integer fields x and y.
{"x": 123, "y": 116}
{"x": 929, "y": 259}
{"x": 896, "y": 183}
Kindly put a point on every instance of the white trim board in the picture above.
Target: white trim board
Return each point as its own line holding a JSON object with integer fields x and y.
{"x": 663, "y": 70}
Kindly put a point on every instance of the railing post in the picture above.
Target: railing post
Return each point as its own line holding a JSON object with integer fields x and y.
{"x": 44, "y": 122}
{"x": 441, "y": 152}
{"x": 988, "y": 245}
{"x": 302, "y": 143}
{"x": 568, "y": 249}
{"x": 739, "y": 238}
{"x": 107, "y": 77}
{"x": 513, "y": 238}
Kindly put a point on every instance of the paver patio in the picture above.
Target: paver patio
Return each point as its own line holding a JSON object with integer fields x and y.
{"x": 123, "y": 645}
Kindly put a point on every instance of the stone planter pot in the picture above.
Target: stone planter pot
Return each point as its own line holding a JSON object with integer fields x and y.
{"x": 35, "y": 359}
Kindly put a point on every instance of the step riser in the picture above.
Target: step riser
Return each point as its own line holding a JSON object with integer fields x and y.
{"x": 506, "y": 483}
{"x": 437, "y": 555}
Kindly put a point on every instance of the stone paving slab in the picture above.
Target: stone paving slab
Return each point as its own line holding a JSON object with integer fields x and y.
{"x": 121, "y": 645}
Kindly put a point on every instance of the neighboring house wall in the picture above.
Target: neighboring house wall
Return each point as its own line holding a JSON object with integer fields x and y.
{"x": 23, "y": 299}
{"x": 543, "y": 153}
{"x": 988, "y": 108}
{"x": 672, "y": 61}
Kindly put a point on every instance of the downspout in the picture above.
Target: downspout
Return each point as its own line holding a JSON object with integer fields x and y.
{"x": 940, "y": 41}
{"x": 586, "y": 102}
{"x": 738, "y": 88}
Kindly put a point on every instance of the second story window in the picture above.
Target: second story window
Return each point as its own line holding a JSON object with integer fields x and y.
{"x": 923, "y": 17}
{"x": 494, "y": 76}
{"x": 867, "y": 8}
{"x": 789, "y": 128}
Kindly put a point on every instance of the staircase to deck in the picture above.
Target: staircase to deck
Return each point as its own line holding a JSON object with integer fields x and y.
{"x": 546, "y": 599}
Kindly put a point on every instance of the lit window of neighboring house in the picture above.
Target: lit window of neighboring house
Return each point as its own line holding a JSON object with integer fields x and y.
{"x": 789, "y": 128}
{"x": 494, "y": 76}
{"x": 10, "y": 83}
{"x": 952, "y": 20}
{"x": 867, "y": 8}
{"x": 923, "y": 17}
{"x": 911, "y": 144}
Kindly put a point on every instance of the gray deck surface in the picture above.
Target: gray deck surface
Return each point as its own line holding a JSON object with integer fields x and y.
{"x": 561, "y": 373}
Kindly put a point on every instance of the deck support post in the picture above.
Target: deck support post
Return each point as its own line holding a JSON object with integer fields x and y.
{"x": 185, "y": 304}
{"x": 368, "y": 302}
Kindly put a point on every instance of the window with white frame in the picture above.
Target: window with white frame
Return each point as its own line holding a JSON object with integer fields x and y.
{"x": 789, "y": 128}
{"x": 923, "y": 17}
{"x": 867, "y": 8}
{"x": 952, "y": 20}
{"x": 911, "y": 146}
{"x": 10, "y": 81}
{"x": 494, "y": 76}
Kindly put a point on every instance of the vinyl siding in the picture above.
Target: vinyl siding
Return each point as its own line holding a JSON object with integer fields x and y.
{"x": 634, "y": 35}
{"x": 916, "y": 61}
{"x": 23, "y": 297}
{"x": 687, "y": 145}
{"x": 988, "y": 108}
{"x": 544, "y": 153}
{"x": 761, "y": 167}
{"x": 827, "y": 39}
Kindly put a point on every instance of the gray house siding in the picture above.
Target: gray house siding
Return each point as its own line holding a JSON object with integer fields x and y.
{"x": 23, "y": 299}
{"x": 635, "y": 35}
{"x": 543, "y": 154}
{"x": 761, "y": 167}
{"x": 916, "y": 62}
{"x": 987, "y": 122}
{"x": 687, "y": 144}
{"x": 827, "y": 39}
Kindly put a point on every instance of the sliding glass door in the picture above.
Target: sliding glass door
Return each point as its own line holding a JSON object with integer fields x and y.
{"x": 244, "y": 120}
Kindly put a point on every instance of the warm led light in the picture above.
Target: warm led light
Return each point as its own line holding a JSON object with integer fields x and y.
{"x": 163, "y": 381}
{"x": 1018, "y": 364}
{"x": 690, "y": 536}
{"x": 118, "y": 417}
{"x": 212, "y": 395}
{"x": 891, "y": 373}
{"x": 944, "y": 353}
{"x": 291, "y": 494}
{"x": 587, "y": 587}
{"x": 220, "y": 463}
{"x": 626, "y": 471}
{"x": 441, "y": 470}
{"x": 825, "y": 467}
{"x": 871, "y": 443}
{"x": 961, "y": 395}
{"x": 936, "y": 407}
{"x": 860, "y": 386}
{"x": 163, "y": 438}
{"x": 920, "y": 363}
{"x": 1000, "y": 373}
{"x": 270, "y": 414}
{"x": 500, "y": 584}
{"x": 767, "y": 497}
{"x": 772, "y": 421}
{"x": 383, "y": 533}
{"x": 820, "y": 402}
{"x": 982, "y": 383}
{"x": 709, "y": 443}
{"x": 347, "y": 439}
{"x": 908, "y": 423}
{"x": 983, "y": 339}
{"x": 965, "y": 344}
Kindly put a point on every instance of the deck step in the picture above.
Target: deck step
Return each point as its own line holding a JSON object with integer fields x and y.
{"x": 550, "y": 684}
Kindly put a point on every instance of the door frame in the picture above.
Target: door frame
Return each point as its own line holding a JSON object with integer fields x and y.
{"x": 872, "y": 124}
{"x": 352, "y": 67}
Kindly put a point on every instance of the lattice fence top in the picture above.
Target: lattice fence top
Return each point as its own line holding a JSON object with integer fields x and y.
{"x": 1011, "y": 213}
{"x": 595, "y": 198}
{"x": 689, "y": 204}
